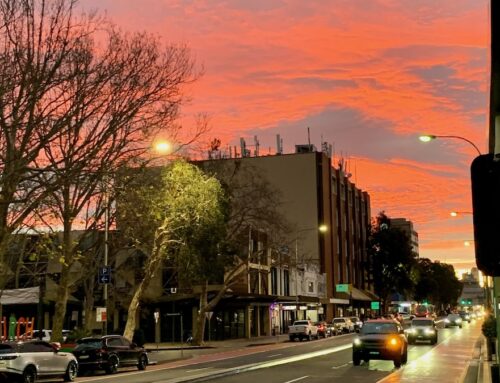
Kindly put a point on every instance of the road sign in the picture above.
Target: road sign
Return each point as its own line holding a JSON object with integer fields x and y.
{"x": 209, "y": 314}
{"x": 101, "y": 314}
{"x": 343, "y": 288}
{"x": 105, "y": 274}
{"x": 375, "y": 305}
{"x": 157, "y": 316}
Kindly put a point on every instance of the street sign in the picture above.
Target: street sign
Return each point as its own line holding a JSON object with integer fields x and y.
{"x": 105, "y": 274}
{"x": 209, "y": 314}
{"x": 101, "y": 314}
{"x": 173, "y": 314}
{"x": 157, "y": 316}
{"x": 343, "y": 288}
{"x": 375, "y": 305}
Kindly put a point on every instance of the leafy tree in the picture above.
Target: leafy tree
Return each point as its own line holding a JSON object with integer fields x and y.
{"x": 392, "y": 259}
{"x": 187, "y": 210}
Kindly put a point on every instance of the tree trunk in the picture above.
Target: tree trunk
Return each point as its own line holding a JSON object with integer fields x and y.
{"x": 88, "y": 310}
{"x": 132, "y": 312}
{"x": 199, "y": 328}
{"x": 61, "y": 303}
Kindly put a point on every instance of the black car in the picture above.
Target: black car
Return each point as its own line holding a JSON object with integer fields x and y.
{"x": 108, "y": 353}
{"x": 323, "y": 329}
{"x": 380, "y": 339}
{"x": 422, "y": 329}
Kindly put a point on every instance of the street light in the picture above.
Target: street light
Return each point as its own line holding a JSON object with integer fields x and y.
{"x": 322, "y": 229}
{"x": 430, "y": 137}
{"x": 468, "y": 242}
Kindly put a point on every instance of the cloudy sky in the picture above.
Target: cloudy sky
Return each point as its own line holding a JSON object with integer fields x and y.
{"x": 367, "y": 76}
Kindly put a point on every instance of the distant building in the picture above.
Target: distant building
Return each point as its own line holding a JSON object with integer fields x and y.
{"x": 407, "y": 227}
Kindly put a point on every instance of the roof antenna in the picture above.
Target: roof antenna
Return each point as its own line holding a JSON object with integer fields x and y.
{"x": 309, "y": 138}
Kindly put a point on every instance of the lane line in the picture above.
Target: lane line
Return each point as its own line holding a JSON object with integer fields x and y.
{"x": 272, "y": 356}
{"x": 199, "y": 369}
{"x": 296, "y": 380}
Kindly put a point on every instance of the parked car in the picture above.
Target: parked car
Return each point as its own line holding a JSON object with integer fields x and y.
{"x": 453, "y": 320}
{"x": 323, "y": 329}
{"x": 302, "y": 329}
{"x": 26, "y": 361}
{"x": 357, "y": 323}
{"x": 109, "y": 353}
{"x": 343, "y": 325}
{"x": 466, "y": 317}
{"x": 44, "y": 335}
{"x": 380, "y": 339}
{"x": 422, "y": 329}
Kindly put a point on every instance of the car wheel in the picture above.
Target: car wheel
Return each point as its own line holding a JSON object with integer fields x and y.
{"x": 356, "y": 360}
{"x": 397, "y": 361}
{"x": 404, "y": 359}
{"x": 292, "y": 339}
{"x": 71, "y": 372}
{"x": 309, "y": 337}
{"x": 142, "y": 363}
{"x": 112, "y": 366}
{"x": 29, "y": 375}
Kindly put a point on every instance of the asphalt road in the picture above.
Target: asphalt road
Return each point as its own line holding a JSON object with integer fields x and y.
{"x": 316, "y": 361}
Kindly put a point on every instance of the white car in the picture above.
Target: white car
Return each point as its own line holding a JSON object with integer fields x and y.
{"x": 46, "y": 335}
{"x": 27, "y": 361}
{"x": 343, "y": 325}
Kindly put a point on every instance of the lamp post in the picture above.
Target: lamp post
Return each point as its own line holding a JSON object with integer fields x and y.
{"x": 322, "y": 229}
{"x": 430, "y": 137}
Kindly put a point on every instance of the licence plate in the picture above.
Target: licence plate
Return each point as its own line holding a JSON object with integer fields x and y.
{"x": 374, "y": 353}
{"x": 84, "y": 356}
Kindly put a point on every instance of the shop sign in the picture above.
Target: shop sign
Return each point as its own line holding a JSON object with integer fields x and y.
{"x": 302, "y": 307}
{"x": 289, "y": 307}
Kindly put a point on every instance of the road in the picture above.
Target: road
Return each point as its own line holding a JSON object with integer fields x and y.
{"x": 317, "y": 361}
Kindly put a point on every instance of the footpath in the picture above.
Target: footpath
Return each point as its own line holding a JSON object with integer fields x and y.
{"x": 458, "y": 359}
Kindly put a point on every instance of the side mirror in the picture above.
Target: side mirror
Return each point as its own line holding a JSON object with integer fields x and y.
{"x": 56, "y": 346}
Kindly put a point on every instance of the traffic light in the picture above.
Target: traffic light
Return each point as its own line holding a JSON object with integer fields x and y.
{"x": 485, "y": 177}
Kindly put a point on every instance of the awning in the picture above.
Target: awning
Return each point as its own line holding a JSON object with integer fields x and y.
{"x": 359, "y": 295}
{"x": 20, "y": 296}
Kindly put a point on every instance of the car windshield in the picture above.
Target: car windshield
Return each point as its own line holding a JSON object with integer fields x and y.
{"x": 355, "y": 319}
{"x": 88, "y": 343}
{"x": 301, "y": 322}
{"x": 379, "y": 328}
{"x": 453, "y": 316}
{"x": 417, "y": 323}
{"x": 6, "y": 348}
{"x": 339, "y": 320}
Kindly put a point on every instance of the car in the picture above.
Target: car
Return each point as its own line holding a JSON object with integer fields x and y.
{"x": 465, "y": 316}
{"x": 422, "y": 329}
{"x": 343, "y": 325}
{"x": 357, "y": 323}
{"x": 108, "y": 353}
{"x": 323, "y": 329}
{"x": 407, "y": 317}
{"x": 26, "y": 361}
{"x": 380, "y": 339}
{"x": 453, "y": 320}
{"x": 44, "y": 335}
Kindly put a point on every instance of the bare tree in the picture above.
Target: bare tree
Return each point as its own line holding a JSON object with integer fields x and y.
{"x": 73, "y": 109}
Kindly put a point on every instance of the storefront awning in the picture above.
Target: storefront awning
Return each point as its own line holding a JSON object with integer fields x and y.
{"x": 20, "y": 296}
{"x": 359, "y": 295}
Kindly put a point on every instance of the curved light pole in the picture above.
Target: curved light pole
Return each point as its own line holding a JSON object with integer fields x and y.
{"x": 430, "y": 137}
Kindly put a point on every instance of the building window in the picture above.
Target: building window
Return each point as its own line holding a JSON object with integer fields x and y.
{"x": 274, "y": 281}
{"x": 310, "y": 287}
{"x": 286, "y": 283}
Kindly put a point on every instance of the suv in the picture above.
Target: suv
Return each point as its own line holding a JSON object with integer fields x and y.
{"x": 109, "y": 353}
{"x": 422, "y": 329}
{"x": 26, "y": 361}
{"x": 380, "y": 339}
{"x": 452, "y": 320}
{"x": 343, "y": 325}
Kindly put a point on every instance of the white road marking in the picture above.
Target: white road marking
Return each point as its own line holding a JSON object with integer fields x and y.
{"x": 295, "y": 380}
{"x": 199, "y": 369}
{"x": 272, "y": 356}
{"x": 341, "y": 366}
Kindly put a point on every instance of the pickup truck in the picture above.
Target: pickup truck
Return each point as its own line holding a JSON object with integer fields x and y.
{"x": 302, "y": 329}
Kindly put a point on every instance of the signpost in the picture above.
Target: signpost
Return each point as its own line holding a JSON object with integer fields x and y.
{"x": 208, "y": 315}
{"x": 182, "y": 340}
{"x": 105, "y": 275}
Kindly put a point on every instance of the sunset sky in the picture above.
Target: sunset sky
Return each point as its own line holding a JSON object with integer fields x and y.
{"x": 368, "y": 76}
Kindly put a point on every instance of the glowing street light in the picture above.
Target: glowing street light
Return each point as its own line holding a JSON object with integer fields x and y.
{"x": 468, "y": 242}
{"x": 430, "y": 137}
{"x": 162, "y": 147}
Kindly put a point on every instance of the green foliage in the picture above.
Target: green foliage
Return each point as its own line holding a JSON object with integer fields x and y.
{"x": 392, "y": 259}
{"x": 489, "y": 327}
{"x": 76, "y": 334}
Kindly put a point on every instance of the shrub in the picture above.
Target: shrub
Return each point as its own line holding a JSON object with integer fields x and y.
{"x": 489, "y": 327}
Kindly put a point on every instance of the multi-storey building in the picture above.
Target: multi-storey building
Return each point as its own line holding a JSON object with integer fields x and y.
{"x": 406, "y": 227}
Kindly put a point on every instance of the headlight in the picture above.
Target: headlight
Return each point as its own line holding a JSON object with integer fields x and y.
{"x": 429, "y": 331}
{"x": 411, "y": 331}
{"x": 393, "y": 342}
{"x": 447, "y": 320}
{"x": 357, "y": 342}
{"x": 459, "y": 320}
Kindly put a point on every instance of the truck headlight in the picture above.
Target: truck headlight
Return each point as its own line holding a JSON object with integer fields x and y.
{"x": 357, "y": 342}
{"x": 429, "y": 331}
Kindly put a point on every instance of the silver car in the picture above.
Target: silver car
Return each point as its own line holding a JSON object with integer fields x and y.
{"x": 29, "y": 360}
